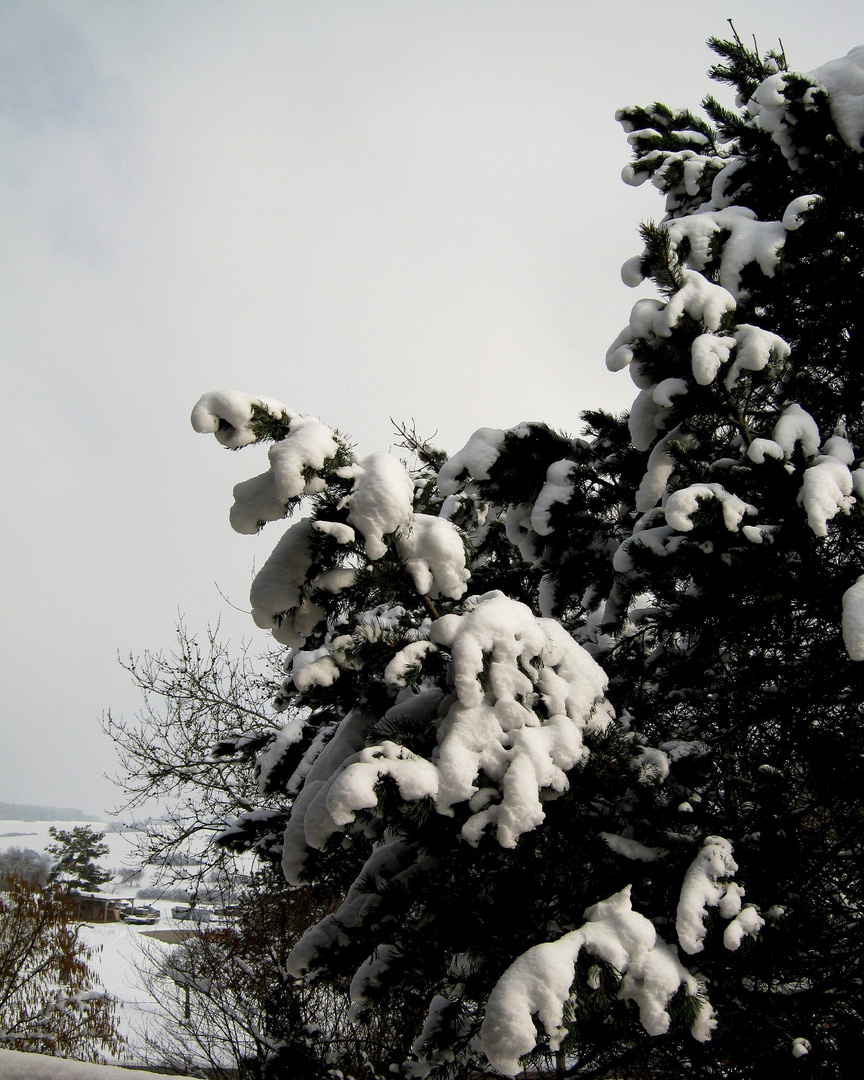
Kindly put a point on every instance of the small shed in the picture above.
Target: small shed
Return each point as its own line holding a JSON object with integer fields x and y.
{"x": 91, "y": 907}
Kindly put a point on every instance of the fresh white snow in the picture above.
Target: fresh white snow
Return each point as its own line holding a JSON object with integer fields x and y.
{"x": 18, "y": 1066}
{"x": 538, "y": 983}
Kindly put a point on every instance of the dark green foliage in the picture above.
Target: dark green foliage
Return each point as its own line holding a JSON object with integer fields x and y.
{"x": 744, "y": 68}
{"x": 74, "y": 853}
{"x": 736, "y": 646}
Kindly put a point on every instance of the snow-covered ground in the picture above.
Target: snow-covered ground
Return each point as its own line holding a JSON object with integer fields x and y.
{"x": 120, "y": 956}
{"x": 17, "y": 1066}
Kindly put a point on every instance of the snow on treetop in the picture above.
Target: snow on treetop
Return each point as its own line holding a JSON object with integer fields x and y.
{"x": 843, "y": 79}
{"x": 843, "y": 82}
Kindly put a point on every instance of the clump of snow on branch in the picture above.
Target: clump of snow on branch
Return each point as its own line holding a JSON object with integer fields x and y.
{"x": 227, "y": 414}
{"x": 747, "y": 923}
{"x": 353, "y": 788}
{"x": 342, "y": 534}
{"x": 538, "y": 984}
{"x": 631, "y": 849}
{"x": 256, "y": 501}
{"x": 708, "y": 353}
{"x": 557, "y": 489}
{"x": 395, "y": 861}
{"x": 841, "y": 79}
{"x": 295, "y": 465}
{"x": 381, "y": 501}
{"x": 853, "y": 620}
{"x": 661, "y": 540}
{"x": 749, "y": 241}
{"x": 660, "y": 468}
{"x": 706, "y": 884}
{"x": 755, "y": 349}
{"x": 304, "y": 827}
{"x": 433, "y": 553}
{"x": 826, "y": 490}
{"x": 475, "y": 459}
{"x": 517, "y": 525}
{"x": 315, "y": 668}
{"x": 268, "y": 760}
{"x": 844, "y": 81}
{"x": 796, "y": 426}
{"x": 367, "y": 976}
{"x": 276, "y": 594}
{"x": 699, "y": 298}
{"x": 768, "y": 105}
{"x": 406, "y": 662}
{"x": 504, "y": 661}
{"x": 309, "y": 445}
{"x": 683, "y": 504}
{"x": 796, "y": 212}
{"x": 827, "y": 485}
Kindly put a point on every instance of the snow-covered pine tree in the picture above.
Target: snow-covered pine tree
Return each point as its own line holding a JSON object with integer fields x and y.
{"x": 74, "y": 853}
{"x": 419, "y": 719}
{"x": 731, "y": 630}
{"x": 518, "y": 868}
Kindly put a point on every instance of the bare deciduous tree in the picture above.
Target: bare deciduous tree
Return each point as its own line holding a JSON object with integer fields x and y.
{"x": 49, "y": 999}
{"x": 189, "y": 750}
{"x": 229, "y": 1008}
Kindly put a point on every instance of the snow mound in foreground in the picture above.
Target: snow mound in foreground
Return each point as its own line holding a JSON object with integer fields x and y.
{"x": 17, "y": 1066}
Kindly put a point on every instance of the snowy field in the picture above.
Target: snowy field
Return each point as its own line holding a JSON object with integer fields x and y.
{"x": 34, "y": 835}
{"x": 120, "y": 951}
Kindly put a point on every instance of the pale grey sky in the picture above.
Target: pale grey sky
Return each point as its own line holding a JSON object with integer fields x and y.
{"x": 363, "y": 208}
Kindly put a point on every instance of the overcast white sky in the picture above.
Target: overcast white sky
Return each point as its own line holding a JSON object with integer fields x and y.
{"x": 363, "y": 208}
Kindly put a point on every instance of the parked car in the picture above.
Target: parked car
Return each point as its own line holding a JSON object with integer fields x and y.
{"x": 192, "y": 912}
{"x": 145, "y": 915}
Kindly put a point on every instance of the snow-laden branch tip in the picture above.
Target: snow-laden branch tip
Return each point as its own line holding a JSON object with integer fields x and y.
{"x": 538, "y": 984}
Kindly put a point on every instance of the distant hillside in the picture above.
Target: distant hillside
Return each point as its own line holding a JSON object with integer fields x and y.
{"x": 25, "y": 812}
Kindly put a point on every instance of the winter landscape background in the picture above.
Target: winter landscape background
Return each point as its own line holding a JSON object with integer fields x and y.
{"x": 120, "y": 953}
